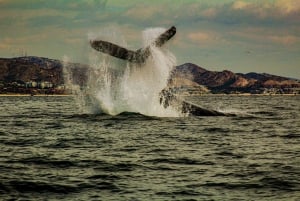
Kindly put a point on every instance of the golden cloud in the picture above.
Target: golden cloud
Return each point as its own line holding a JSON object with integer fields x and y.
{"x": 204, "y": 37}
{"x": 285, "y": 39}
{"x": 240, "y": 5}
{"x": 144, "y": 12}
{"x": 284, "y": 7}
{"x": 6, "y": 43}
{"x": 288, "y": 6}
{"x": 262, "y": 35}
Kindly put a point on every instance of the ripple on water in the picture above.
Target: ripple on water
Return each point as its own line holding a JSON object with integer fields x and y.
{"x": 48, "y": 153}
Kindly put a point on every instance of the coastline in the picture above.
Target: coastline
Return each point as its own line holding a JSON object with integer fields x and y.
{"x": 24, "y": 95}
{"x": 66, "y": 95}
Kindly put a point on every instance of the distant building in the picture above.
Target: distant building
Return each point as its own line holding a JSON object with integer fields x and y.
{"x": 41, "y": 85}
{"x": 31, "y": 84}
{"x": 45, "y": 85}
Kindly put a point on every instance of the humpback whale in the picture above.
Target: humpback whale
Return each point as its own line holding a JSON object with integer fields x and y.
{"x": 168, "y": 99}
{"x": 140, "y": 56}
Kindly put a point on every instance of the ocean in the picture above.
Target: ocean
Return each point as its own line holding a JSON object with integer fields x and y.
{"x": 51, "y": 150}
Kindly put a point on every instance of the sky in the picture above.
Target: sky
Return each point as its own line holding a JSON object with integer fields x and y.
{"x": 242, "y": 36}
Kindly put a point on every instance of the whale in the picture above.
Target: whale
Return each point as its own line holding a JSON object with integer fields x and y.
{"x": 140, "y": 56}
{"x": 169, "y": 99}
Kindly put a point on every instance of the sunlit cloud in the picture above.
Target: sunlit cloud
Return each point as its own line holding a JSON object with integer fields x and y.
{"x": 209, "y": 13}
{"x": 204, "y": 37}
{"x": 264, "y": 36}
{"x": 5, "y": 43}
{"x": 285, "y": 39}
{"x": 240, "y": 5}
{"x": 143, "y": 12}
{"x": 288, "y": 6}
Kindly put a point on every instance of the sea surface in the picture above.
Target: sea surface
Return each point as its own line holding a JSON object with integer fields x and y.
{"x": 50, "y": 150}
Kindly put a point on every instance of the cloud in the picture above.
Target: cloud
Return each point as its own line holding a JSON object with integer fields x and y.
{"x": 244, "y": 13}
{"x": 209, "y": 13}
{"x": 262, "y": 37}
{"x": 285, "y": 39}
{"x": 88, "y": 13}
{"x": 203, "y": 37}
{"x": 240, "y": 5}
{"x": 288, "y": 6}
{"x": 5, "y": 43}
{"x": 53, "y": 4}
{"x": 143, "y": 12}
{"x": 13, "y": 46}
{"x": 249, "y": 12}
{"x": 152, "y": 14}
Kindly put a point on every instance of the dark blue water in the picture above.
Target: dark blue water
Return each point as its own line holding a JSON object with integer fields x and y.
{"x": 50, "y": 151}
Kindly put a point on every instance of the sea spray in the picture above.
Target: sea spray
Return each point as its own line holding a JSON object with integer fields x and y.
{"x": 115, "y": 86}
{"x": 73, "y": 86}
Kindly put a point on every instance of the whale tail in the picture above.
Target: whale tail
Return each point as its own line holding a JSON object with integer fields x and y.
{"x": 138, "y": 56}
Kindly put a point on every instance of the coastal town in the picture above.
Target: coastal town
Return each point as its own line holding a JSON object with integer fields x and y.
{"x": 32, "y": 88}
{"x": 43, "y": 76}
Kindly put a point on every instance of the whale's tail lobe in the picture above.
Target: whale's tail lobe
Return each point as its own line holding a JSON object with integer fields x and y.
{"x": 138, "y": 56}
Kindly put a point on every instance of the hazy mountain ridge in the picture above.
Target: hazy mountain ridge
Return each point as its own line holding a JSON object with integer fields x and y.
{"x": 17, "y": 72}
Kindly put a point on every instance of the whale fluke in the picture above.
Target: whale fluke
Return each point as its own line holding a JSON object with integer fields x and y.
{"x": 138, "y": 56}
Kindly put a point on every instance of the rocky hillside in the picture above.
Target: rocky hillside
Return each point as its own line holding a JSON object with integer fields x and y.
{"x": 18, "y": 72}
{"x": 26, "y": 69}
{"x": 229, "y": 82}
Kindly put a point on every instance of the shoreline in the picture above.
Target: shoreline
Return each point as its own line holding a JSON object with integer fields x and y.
{"x": 66, "y": 95}
{"x": 25, "y": 95}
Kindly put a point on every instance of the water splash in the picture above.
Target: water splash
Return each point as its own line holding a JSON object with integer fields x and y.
{"x": 115, "y": 86}
{"x": 73, "y": 87}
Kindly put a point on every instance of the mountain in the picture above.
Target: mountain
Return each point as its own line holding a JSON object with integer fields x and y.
{"x": 25, "y": 69}
{"x": 229, "y": 82}
{"x": 24, "y": 74}
{"x": 27, "y": 74}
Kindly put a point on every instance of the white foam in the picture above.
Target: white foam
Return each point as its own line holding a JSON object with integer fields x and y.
{"x": 115, "y": 86}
